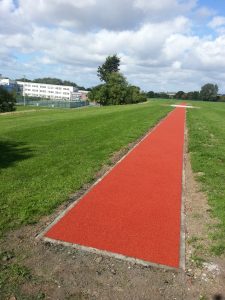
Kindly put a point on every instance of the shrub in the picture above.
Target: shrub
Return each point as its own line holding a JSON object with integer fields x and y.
{"x": 7, "y": 100}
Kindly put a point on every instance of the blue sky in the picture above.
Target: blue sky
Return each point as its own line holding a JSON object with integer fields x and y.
{"x": 218, "y": 5}
{"x": 164, "y": 45}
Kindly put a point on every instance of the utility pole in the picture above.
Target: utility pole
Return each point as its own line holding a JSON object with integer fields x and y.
{"x": 24, "y": 100}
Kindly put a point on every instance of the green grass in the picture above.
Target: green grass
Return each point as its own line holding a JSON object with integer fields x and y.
{"x": 27, "y": 107}
{"x": 46, "y": 155}
{"x": 207, "y": 147}
{"x": 197, "y": 260}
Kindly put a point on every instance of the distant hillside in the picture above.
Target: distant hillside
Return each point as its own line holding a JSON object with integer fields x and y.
{"x": 49, "y": 80}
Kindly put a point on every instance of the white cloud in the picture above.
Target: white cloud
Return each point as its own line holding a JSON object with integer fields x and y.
{"x": 210, "y": 54}
{"x": 204, "y": 12}
{"x": 218, "y": 25}
{"x": 179, "y": 46}
{"x": 92, "y": 14}
{"x": 70, "y": 39}
{"x": 165, "y": 5}
{"x": 217, "y": 22}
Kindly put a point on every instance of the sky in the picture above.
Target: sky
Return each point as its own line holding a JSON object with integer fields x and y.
{"x": 164, "y": 45}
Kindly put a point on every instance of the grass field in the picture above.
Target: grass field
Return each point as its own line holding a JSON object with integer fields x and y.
{"x": 207, "y": 147}
{"x": 27, "y": 107}
{"x": 46, "y": 155}
{"x": 49, "y": 154}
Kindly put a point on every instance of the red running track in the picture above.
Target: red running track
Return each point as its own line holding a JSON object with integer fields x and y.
{"x": 135, "y": 209}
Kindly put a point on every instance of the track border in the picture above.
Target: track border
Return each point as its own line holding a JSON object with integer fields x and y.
{"x": 41, "y": 235}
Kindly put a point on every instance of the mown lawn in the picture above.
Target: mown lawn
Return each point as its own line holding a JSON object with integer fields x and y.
{"x": 46, "y": 155}
{"x": 27, "y": 107}
{"x": 207, "y": 147}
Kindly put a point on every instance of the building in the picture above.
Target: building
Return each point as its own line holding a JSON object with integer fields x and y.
{"x": 171, "y": 94}
{"x": 44, "y": 91}
{"x": 49, "y": 91}
{"x": 75, "y": 96}
{"x": 83, "y": 95}
{"x": 8, "y": 84}
{"x": 6, "y": 81}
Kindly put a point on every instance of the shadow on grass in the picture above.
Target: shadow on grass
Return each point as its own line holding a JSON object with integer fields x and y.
{"x": 11, "y": 152}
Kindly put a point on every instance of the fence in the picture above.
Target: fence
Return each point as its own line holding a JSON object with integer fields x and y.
{"x": 52, "y": 103}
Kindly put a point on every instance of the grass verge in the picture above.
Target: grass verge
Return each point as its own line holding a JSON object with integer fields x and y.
{"x": 207, "y": 147}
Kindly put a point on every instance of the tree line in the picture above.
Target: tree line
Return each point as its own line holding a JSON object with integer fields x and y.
{"x": 208, "y": 92}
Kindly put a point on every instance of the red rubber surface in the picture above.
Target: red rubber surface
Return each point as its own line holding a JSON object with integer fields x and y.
{"x": 135, "y": 210}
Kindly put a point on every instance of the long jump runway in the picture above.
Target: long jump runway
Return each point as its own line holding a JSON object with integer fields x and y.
{"x": 135, "y": 210}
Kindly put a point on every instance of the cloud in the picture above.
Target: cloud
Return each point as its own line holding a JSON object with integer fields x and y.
{"x": 216, "y": 22}
{"x": 93, "y": 14}
{"x": 156, "y": 40}
{"x": 167, "y": 6}
{"x": 204, "y": 12}
{"x": 59, "y": 45}
{"x": 81, "y": 14}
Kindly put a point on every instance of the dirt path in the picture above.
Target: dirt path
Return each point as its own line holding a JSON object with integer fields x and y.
{"x": 58, "y": 272}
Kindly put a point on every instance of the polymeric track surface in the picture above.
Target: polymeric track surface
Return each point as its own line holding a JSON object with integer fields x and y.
{"x": 135, "y": 210}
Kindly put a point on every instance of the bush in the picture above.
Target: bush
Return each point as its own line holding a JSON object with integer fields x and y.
{"x": 209, "y": 92}
{"x": 221, "y": 98}
{"x": 7, "y": 100}
{"x": 116, "y": 91}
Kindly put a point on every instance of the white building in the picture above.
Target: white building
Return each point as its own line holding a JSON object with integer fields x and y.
{"x": 83, "y": 95}
{"x": 6, "y": 81}
{"x": 48, "y": 91}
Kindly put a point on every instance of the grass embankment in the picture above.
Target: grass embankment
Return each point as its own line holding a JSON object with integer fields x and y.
{"x": 46, "y": 155}
{"x": 207, "y": 148}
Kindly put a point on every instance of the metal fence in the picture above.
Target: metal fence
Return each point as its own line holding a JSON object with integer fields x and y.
{"x": 51, "y": 103}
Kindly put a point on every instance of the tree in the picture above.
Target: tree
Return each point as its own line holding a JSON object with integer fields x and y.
{"x": 23, "y": 79}
{"x": 222, "y": 98}
{"x": 116, "y": 91}
{"x": 195, "y": 95}
{"x": 113, "y": 92}
{"x": 134, "y": 95}
{"x": 54, "y": 81}
{"x": 150, "y": 94}
{"x": 209, "y": 92}
{"x": 92, "y": 95}
{"x": 111, "y": 65}
{"x": 102, "y": 95}
{"x": 179, "y": 95}
{"x": 163, "y": 95}
{"x": 7, "y": 100}
{"x": 189, "y": 95}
